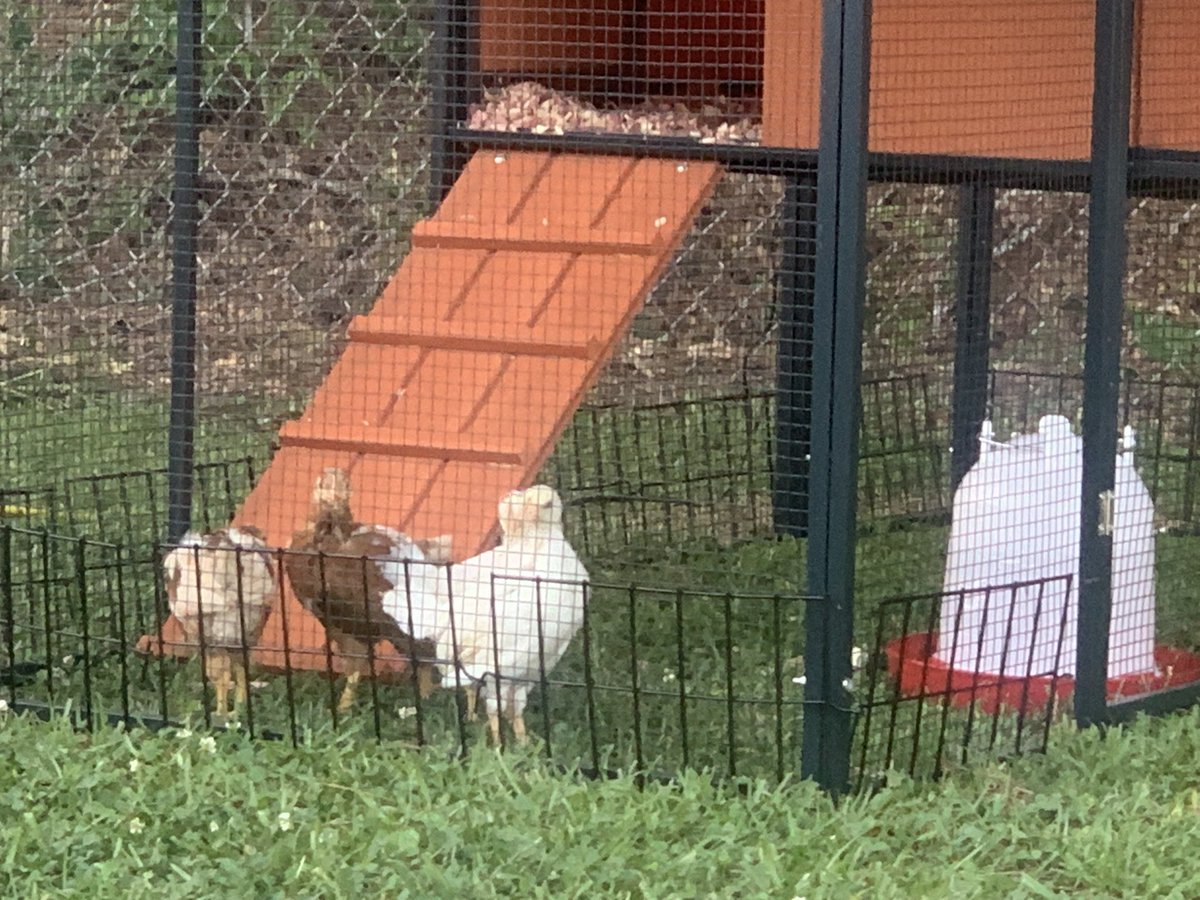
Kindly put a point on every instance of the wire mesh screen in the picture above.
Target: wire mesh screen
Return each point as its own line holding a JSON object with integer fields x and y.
{"x": 407, "y": 311}
{"x": 312, "y": 168}
{"x": 495, "y": 332}
{"x": 1159, "y": 373}
{"x": 927, "y": 719}
{"x": 977, "y": 234}
{"x": 85, "y": 160}
{"x": 686, "y": 63}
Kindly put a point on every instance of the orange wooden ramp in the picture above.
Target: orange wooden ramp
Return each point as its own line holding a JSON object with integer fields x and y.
{"x": 457, "y": 384}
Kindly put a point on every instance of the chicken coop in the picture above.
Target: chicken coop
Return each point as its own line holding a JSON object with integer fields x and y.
{"x": 858, "y": 340}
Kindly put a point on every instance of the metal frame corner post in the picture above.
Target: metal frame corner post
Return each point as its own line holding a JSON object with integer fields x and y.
{"x": 837, "y": 374}
{"x": 793, "y": 390}
{"x": 454, "y": 76}
{"x": 976, "y": 214}
{"x": 1102, "y": 352}
{"x": 181, "y": 437}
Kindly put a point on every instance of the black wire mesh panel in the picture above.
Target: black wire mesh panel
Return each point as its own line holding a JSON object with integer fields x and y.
{"x": 657, "y": 678}
{"x": 85, "y": 162}
{"x": 127, "y": 507}
{"x": 925, "y": 715}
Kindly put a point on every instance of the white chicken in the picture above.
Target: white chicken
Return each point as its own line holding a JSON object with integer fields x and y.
{"x": 220, "y": 587}
{"x": 534, "y": 570}
{"x": 414, "y": 602}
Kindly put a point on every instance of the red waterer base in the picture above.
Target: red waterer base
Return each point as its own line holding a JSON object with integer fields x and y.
{"x": 920, "y": 673}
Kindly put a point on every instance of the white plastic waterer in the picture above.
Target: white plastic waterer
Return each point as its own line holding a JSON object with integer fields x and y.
{"x": 1016, "y": 518}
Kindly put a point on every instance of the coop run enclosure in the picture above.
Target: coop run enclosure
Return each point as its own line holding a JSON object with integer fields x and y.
{"x": 859, "y": 340}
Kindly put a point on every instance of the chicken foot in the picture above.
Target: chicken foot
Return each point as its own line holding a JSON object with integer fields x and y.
{"x": 518, "y": 727}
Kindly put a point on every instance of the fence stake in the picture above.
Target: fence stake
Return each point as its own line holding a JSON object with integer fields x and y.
{"x": 972, "y": 312}
{"x": 1102, "y": 351}
{"x": 837, "y": 402}
{"x": 9, "y": 613}
{"x": 453, "y": 78}
{"x": 185, "y": 213}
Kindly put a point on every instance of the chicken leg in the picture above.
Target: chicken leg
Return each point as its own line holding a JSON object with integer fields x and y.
{"x": 219, "y": 672}
{"x": 424, "y": 680}
{"x": 241, "y": 692}
{"x": 347, "y": 699}
{"x": 472, "y": 693}
{"x": 518, "y": 727}
{"x": 494, "y": 728}
{"x": 354, "y": 658}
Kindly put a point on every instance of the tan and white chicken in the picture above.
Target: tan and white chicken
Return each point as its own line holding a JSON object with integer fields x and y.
{"x": 340, "y": 570}
{"x": 220, "y": 587}
{"x": 500, "y": 597}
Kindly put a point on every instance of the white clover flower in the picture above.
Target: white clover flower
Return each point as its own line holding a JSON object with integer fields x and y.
{"x": 136, "y": 825}
{"x": 3, "y": 706}
{"x": 208, "y": 744}
{"x": 406, "y": 712}
{"x": 668, "y": 676}
{"x": 134, "y": 765}
{"x": 214, "y": 827}
{"x": 285, "y": 821}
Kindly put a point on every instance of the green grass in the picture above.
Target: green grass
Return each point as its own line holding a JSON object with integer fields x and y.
{"x": 48, "y": 440}
{"x": 169, "y": 815}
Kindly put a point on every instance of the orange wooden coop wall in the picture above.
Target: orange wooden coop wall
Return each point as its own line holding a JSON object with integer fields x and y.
{"x": 949, "y": 77}
{"x": 981, "y": 78}
{"x": 701, "y": 45}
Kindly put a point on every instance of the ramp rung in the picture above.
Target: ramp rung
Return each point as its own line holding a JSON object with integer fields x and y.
{"x": 370, "y": 330}
{"x": 395, "y": 442}
{"x": 470, "y": 236}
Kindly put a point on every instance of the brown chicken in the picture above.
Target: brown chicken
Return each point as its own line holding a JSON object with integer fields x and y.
{"x": 340, "y": 569}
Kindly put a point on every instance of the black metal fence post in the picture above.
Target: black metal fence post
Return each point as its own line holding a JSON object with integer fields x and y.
{"x": 793, "y": 403}
{"x": 837, "y": 402}
{"x": 1102, "y": 352}
{"x": 7, "y": 610}
{"x": 454, "y": 76}
{"x": 186, "y": 214}
{"x": 972, "y": 311}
